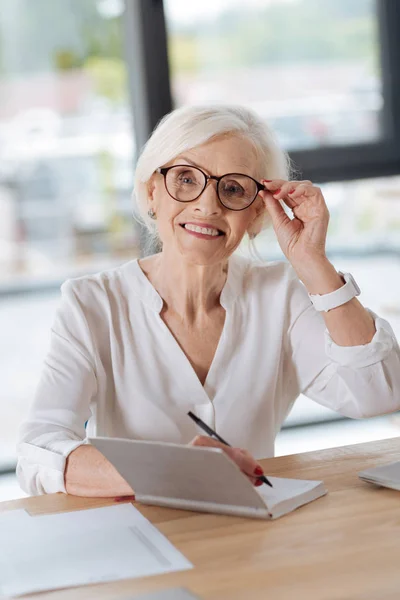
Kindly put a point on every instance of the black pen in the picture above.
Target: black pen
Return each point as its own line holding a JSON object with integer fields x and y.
{"x": 215, "y": 435}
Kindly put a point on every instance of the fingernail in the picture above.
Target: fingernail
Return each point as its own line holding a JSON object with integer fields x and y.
{"x": 258, "y": 483}
{"x": 258, "y": 471}
{"x": 124, "y": 498}
{"x": 266, "y": 180}
{"x": 292, "y": 190}
{"x": 277, "y": 192}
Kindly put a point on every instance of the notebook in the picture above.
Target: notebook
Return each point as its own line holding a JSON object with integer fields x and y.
{"x": 386, "y": 475}
{"x": 201, "y": 479}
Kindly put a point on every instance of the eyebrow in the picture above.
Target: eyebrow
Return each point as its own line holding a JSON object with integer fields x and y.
{"x": 206, "y": 170}
{"x": 190, "y": 162}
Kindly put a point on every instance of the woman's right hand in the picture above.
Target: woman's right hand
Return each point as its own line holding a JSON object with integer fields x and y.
{"x": 244, "y": 460}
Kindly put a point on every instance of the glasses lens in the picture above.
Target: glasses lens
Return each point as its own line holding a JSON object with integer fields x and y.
{"x": 185, "y": 183}
{"x": 237, "y": 191}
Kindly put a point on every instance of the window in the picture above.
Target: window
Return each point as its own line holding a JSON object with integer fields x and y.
{"x": 66, "y": 173}
{"x": 310, "y": 68}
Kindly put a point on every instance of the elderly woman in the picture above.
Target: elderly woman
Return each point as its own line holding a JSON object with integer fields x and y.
{"x": 197, "y": 327}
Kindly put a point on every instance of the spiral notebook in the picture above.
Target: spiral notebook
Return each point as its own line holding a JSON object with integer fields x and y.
{"x": 201, "y": 479}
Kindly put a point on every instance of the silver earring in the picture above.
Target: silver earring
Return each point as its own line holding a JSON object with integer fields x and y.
{"x": 151, "y": 214}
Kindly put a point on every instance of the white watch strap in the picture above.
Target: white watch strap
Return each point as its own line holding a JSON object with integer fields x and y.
{"x": 327, "y": 302}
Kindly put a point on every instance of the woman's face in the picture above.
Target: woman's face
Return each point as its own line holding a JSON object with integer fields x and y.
{"x": 218, "y": 157}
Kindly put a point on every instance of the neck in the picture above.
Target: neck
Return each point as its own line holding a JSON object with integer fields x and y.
{"x": 189, "y": 290}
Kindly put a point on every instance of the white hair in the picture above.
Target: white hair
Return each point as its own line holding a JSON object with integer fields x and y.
{"x": 191, "y": 126}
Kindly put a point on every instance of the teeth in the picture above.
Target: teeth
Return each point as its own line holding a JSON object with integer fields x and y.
{"x": 205, "y": 230}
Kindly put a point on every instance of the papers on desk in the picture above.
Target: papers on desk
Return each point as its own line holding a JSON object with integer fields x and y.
{"x": 81, "y": 547}
{"x": 386, "y": 475}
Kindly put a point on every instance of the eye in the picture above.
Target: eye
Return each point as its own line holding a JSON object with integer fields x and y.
{"x": 233, "y": 187}
{"x": 186, "y": 177}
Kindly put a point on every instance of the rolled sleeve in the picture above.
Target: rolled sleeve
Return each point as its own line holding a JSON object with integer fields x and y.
{"x": 41, "y": 471}
{"x": 356, "y": 381}
{"x": 55, "y": 425}
{"x": 358, "y": 357}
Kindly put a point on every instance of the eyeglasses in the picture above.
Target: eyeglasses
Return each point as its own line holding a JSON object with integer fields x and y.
{"x": 186, "y": 183}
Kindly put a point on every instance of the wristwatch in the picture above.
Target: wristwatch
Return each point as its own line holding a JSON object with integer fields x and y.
{"x": 348, "y": 291}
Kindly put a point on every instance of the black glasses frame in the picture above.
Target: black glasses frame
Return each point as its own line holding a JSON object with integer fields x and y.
{"x": 164, "y": 170}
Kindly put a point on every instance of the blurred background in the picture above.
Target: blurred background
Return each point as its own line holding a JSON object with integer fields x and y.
{"x": 84, "y": 82}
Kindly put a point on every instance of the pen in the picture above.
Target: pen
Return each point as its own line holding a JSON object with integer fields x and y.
{"x": 215, "y": 435}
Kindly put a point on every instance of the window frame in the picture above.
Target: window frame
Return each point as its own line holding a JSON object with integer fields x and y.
{"x": 376, "y": 159}
{"x": 322, "y": 164}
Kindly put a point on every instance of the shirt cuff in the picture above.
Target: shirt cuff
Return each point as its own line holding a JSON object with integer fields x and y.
{"x": 358, "y": 357}
{"x": 47, "y": 465}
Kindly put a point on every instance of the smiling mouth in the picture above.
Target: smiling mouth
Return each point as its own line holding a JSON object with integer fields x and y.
{"x": 202, "y": 230}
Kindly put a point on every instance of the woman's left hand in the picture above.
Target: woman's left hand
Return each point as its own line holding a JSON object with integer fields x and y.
{"x": 303, "y": 237}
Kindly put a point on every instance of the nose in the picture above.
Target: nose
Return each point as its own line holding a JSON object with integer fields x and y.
{"x": 208, "y": 202}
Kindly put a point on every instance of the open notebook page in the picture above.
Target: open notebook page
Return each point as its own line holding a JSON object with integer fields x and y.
{"x": 288, "y": 494}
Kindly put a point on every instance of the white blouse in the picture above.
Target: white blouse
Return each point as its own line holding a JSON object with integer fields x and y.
{"x": 114, "y": 365}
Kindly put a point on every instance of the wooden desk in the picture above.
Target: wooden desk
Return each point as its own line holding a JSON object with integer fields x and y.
{"x": 344, "y": 546}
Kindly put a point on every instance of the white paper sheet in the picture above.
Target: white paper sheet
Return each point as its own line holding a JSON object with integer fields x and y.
{"x": 81, "y": 547}
{"x": 14, "y": 517}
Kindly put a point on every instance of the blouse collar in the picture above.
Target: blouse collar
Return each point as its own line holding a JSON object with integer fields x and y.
{"x": 232, "y": 289}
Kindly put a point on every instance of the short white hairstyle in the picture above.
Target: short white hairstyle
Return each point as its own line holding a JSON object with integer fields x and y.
{"x": 191, "y": 126}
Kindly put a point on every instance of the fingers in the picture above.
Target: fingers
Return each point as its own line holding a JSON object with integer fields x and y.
{"x": 205, "y": 440}
{"x": 273, "y": 186}
{"x": 278, "y": 216}
{"x": 289, "y": 191}
{"x": 242, "y": 458}
{"x": 294, "y": 194}
{"x": 247, "y": 464}
{"x": 302, "y": 190}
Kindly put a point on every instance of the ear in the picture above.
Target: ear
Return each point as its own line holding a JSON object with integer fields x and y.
{"x": 151, "y": 184}
{"x": 257, "y": 223}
